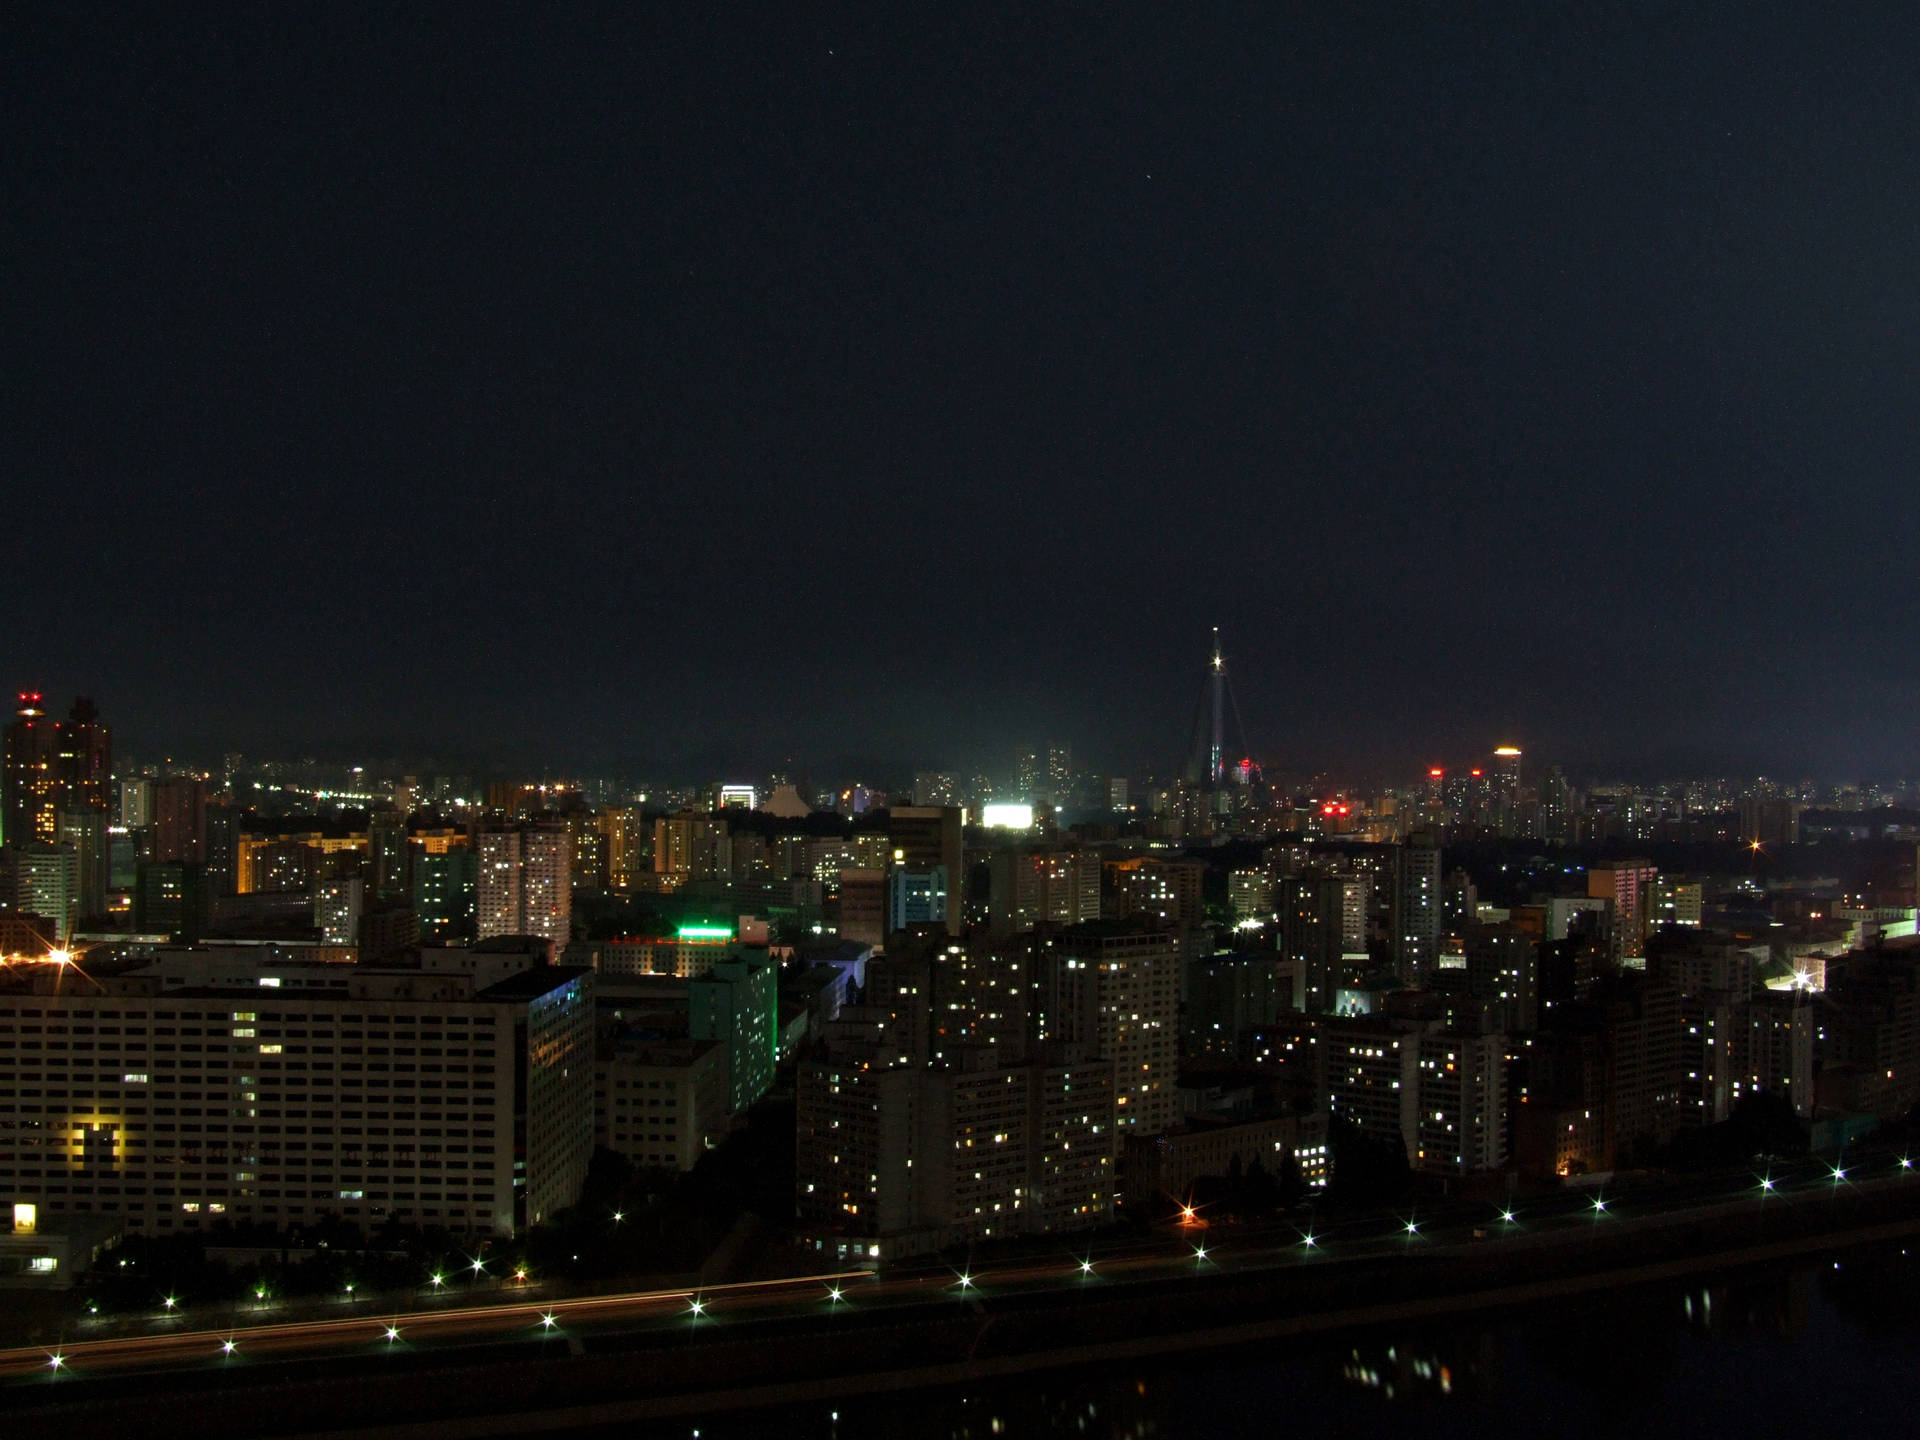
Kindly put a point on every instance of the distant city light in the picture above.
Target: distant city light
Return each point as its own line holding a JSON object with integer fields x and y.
{"x": 1007, "y": 817}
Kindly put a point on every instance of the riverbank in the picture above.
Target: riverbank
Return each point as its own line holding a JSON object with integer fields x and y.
{"x": 657, "y": 1374}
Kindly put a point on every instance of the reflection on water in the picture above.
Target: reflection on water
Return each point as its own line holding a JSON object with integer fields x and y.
{"x": 1416, "y": 1371}
{"x": 1780, "y": 1307}
{"x": 1787, "y": 1351}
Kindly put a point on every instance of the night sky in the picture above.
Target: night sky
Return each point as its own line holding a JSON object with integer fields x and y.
{"x": 690, "y": 386}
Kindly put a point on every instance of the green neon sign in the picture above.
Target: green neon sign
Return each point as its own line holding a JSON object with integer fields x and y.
{"x": 705, "y": 932}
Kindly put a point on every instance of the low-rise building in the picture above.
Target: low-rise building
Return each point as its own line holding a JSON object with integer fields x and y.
{"x": 1166, "y": 1166}
{"x": 660, "y": 1103}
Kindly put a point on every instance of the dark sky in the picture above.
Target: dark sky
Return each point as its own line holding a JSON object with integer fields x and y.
{"x": 694, "y": 385}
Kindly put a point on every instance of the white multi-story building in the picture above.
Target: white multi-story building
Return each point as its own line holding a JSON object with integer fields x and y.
{"x": 1373, "y": 1075}
{"x": 900, "y": 1156}
{"x": 1250, "y": 893}
{"x": 46, "y": 882}
{"x": 661, "y": 1103}
{"x": 1416, "y": 910}
{"x": 1113, "y": 989}
{"x": 399, "y": 1093}
{"x": 525, "y": 883}
{"x": 336, "y": 910}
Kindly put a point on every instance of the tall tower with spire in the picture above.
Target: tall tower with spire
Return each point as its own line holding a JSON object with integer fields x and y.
{"x": 1207, "y": 764}
{"x": 1216, "y": 751}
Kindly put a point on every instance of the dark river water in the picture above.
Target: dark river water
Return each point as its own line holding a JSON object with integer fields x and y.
{"x": 1808, "y": 1349}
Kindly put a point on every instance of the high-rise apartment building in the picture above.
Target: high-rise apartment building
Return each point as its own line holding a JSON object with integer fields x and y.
{"x": 86, "y": 831}
{"x": 692, "y": 846}
{"x": 169, "y": 898}
{"x": 1112, "y": 988}
{"x": 136, "y": 802}
{"x": 1059, "y": 770}
{"x": 524, "y": 884}
{"x": 736, "y": 1004}
{"x": 1416, "y": 909}
{"x": 49, "y": 765}
{"x": 46, "y": 882}
{"x": 1318, "y": 915}
{"x": 1233, "y": 998}
{"x": 225, "y": 836}
{"x": 1168, "y": 891}
{"x": 1462, "y": 1102}
{"x": 1373, "y": 1075}
{"x": 936, "y": 788}
{"x": 178, "y": 829}
{"x": 1503, "y": 968}
{"x": 1628, "y": 887}
{"x": 1505, "y": 798}
{"x": 899, "y": 1157}
{"x": 387, "y": 855}
{"x": 337, "y": 908}
{"x": 1027, "y": 888}
{"x": 445, "y": 886}
{"x": 31, "y": 777}
{"x": 626, "y": 846}
{"x": 917, "y": 897}
{"x": 1029, "y": 777}
{"x": 1250, "y": 896}
{"x": 86, "y": 759}
{"x": 926, "y": 838}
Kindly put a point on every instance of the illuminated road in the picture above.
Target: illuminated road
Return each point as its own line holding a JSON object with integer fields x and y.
{"x": 1434, "y": 1230}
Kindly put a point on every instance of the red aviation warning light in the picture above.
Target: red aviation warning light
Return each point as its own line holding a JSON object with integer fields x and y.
{"x": 1435, "y": 773}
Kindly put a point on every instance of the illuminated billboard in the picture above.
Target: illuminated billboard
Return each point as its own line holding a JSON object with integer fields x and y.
{"x": 1007, "y": 817}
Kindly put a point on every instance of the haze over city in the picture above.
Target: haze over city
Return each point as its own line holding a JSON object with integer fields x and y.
{"x": 642, "y": 389}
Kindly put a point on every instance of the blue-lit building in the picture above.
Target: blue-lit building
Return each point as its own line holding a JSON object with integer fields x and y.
{"x": 916, "y": 897}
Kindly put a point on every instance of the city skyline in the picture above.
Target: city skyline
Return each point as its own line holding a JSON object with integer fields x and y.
{"x": 545, "y": 762}
{"x": 900, "y": 386}
{"x": 761, "y": 719}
